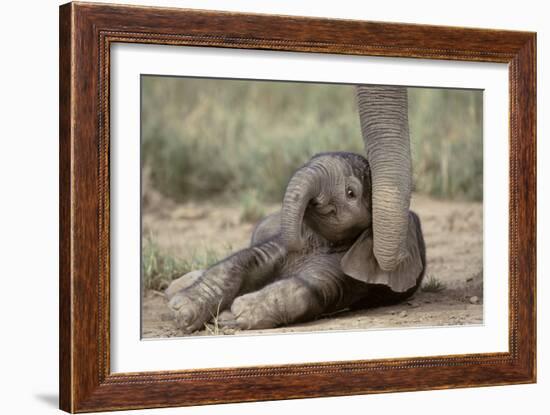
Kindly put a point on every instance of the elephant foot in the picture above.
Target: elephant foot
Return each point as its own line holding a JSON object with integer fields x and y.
{"x": 247, "y": 312}
{"x": 281, "y": 303}
{"x": 227, "y": 320}
{"x": 202, "y": 296}
{"x": 190, "y": 314}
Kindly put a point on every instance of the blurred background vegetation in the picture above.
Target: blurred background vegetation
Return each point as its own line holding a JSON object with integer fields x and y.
{"x": 219, "y": 139}
{"x": 235, "y": 144}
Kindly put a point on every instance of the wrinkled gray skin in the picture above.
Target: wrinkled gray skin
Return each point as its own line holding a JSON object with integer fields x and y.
{"x": 312, "y": 258}
{"x": 344, "y": 238}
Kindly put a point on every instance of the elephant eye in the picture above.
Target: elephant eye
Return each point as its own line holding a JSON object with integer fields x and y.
{"x": 350, "y": 193}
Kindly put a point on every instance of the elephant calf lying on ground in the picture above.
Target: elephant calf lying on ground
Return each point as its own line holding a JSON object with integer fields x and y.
{"x": 312, "y": 258}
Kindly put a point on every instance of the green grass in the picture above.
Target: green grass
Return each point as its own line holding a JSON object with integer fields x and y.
{"x": 160, "y": 268}
{"x": 204, "y": 138}
{"x": 213, "y": 327}
{"x": 432, "y": 285}
{"x": 212, "y": 138}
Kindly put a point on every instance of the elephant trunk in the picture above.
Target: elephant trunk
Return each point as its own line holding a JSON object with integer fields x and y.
{"x": 383, "y": 112}
{"x": 304, "y": 185}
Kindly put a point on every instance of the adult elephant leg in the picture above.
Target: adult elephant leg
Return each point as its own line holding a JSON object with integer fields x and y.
{"x": 383, "y": 112}
{"x": 218, "y": 286}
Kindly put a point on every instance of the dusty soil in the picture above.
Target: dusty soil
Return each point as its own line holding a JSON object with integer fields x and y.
{"x": 454, "y": 239}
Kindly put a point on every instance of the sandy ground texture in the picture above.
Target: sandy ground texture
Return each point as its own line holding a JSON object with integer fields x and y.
{"x": 454, "y": 240}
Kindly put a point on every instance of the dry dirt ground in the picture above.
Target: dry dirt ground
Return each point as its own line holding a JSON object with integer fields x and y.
{"x": 454, "y": 239}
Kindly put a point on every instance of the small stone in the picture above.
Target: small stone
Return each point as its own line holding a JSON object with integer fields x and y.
{"x": 413, "y": 304}
{"x": 403, "y": 314}
{"x": 474, "y": 299}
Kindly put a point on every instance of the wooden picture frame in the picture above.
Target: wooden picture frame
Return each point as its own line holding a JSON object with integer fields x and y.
{"x": 86, "y": 33}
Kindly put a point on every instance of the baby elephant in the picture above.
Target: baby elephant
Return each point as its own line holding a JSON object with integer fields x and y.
{"x": 312, "y": 258}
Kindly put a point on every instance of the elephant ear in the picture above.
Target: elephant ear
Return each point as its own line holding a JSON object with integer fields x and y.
{"x": 360, "y": 263}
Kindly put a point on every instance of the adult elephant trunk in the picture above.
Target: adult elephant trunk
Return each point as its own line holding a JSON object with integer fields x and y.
{"x": 304, "y": 185}
{"x": 383, "y": 112}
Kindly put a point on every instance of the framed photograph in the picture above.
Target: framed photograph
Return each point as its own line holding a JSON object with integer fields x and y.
{"x": 258, "y": 207}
